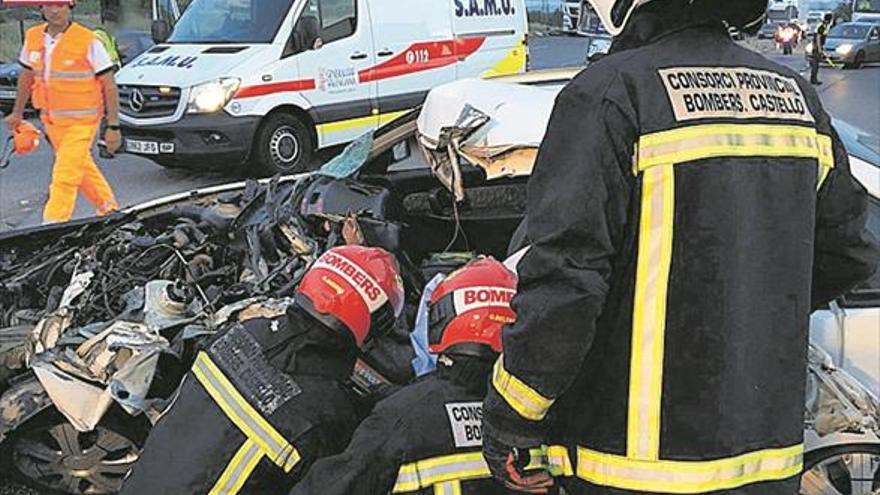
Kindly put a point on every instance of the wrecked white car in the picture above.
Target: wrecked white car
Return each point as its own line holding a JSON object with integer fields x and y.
{"x": 99, "y": 318}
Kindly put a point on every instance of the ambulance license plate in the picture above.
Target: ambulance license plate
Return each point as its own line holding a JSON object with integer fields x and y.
{"x": 7, "y": 95}
{"x": 143, "y": 147}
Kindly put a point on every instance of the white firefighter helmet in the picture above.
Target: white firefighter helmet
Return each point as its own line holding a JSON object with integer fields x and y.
{"x": 742, "y": 14}
{"x": 615, "y": 13}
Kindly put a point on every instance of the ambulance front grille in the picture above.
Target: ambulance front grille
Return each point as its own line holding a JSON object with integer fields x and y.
{"x": 144, "y": 102}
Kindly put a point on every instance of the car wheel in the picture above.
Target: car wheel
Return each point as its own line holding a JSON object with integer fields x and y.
{"x": 842, "y": 470}
{"x": 47, "y": 453}
{"x": 283, "y": 146}
{"x": 857, "y": 61}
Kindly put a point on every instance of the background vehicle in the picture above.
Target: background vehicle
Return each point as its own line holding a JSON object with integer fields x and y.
{"x": 768, "y": 30}
{"x": 814, "y": 18}
{"x": 8, "y": 85}
{"x": 848, "y": 462}
{"x": 259, "y": 85}
{"x": 782, "y": 10}
{"x": 866, "y": 10}
{"x": 132, "y": 43}
{"x": 590, "y": 26}
{"x": 571, "y": 13}
{"x": 852, "y": 44}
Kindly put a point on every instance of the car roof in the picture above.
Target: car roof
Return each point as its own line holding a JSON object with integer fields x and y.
{"x": 541, "y": 76}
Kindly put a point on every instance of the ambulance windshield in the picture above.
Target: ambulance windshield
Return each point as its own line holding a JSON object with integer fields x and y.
{"x": 230, "y": 21}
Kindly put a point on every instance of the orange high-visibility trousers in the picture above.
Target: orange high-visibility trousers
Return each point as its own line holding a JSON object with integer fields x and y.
{"x": 75, "y": 171}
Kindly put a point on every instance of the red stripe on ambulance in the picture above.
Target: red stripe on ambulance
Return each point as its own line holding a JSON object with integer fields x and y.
{"x": 423, "y": 56}
{"x": 418, "y": 57}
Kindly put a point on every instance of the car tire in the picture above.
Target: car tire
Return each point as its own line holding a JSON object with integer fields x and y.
{"x": 283, "y": 145}
{"x": 857, "y": 61}
{"x": 94, "y": 462}
{"x": 829, "y": 471}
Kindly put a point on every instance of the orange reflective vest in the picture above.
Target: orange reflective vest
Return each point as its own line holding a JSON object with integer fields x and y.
{"x": 68, "y": 92}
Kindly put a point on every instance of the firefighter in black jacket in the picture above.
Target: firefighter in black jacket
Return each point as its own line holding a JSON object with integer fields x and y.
{"x": 425, "y": 438}
{"x": 690, "y": 204}
{"x": 265, "y": 398}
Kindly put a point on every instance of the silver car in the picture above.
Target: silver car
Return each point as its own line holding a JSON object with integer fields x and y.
{"x": 852, "y": 44}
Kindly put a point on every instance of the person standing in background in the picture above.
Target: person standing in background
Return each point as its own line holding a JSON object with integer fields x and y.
{"x": 818, "y": 52}
{"x": 106, "y": 32}
{"x": 69, "y": 74}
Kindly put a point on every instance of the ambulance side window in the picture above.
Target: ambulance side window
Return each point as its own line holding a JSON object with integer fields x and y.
{"x": 337, "y": 18}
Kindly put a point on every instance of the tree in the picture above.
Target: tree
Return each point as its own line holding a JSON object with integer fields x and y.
{"x": 843, "y": 12}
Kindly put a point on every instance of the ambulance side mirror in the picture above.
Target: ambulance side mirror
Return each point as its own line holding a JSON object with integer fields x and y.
{"x": 160, "y": 30}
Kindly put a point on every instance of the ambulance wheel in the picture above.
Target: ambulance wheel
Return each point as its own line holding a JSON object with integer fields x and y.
{"x": 842, "y": 470}
{"x": 283, "y": 146}
{"x": 48, "y": 454}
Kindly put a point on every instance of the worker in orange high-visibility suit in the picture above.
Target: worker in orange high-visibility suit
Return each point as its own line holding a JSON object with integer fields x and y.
{"x": 69, "y": 76}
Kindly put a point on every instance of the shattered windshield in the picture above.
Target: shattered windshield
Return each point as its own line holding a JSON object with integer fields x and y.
{"x": 230, "y": 21}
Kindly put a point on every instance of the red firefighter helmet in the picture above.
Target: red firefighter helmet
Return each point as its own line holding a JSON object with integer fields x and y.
{"x": 26, "y": 138}
{"x": 470, "y": 307}
{"x": 354, "y": 287}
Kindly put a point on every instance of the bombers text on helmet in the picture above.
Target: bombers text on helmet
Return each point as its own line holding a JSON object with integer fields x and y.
{"x": 354, "y": 287}
{"x": 471, "y": 306}
{"x": 741, "y": 14}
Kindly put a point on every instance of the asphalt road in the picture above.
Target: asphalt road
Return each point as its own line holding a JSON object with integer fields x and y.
{"x": 851, "y": 95}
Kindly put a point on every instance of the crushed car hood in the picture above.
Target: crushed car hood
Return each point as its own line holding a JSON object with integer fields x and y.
{"x": 506, "y": 123}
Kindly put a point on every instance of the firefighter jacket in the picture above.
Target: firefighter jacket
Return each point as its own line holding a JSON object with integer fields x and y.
{"x": 68, "y": 91}
{"x": 264, "y": 399}
{"x": 690, "y": 204}
{"x": 424, "y": 439}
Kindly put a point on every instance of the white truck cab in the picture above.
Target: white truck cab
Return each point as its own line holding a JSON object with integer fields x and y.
{"x": 265, "y": 82}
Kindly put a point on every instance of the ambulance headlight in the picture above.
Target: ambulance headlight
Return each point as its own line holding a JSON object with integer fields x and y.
{"x": 212, "y": 96}
{"x": 844, "y": 48}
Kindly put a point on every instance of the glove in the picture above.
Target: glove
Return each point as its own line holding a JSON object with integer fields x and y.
{"x": 508, "y": 463}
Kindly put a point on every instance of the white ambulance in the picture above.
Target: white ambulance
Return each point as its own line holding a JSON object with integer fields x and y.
{"x": 265, "y": 82}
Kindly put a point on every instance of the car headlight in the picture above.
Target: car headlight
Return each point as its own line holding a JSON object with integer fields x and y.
{"x": 844, "y": 48}
{"x": 809, "y": 47}
{"x": 212, "y": 96}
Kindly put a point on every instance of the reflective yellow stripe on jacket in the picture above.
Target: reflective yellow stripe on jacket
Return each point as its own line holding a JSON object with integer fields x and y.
{"x": 658, "y": 154}
{"x": 525, "y": 400}
{"x": 445, "y": 473}
{"x": 700, "y": 142}
{"x": 688, "y": 476}
{"x": 262, "y": 438}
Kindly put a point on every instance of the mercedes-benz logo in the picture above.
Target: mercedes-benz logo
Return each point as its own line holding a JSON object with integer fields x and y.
{"x": 136, "y": 100}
